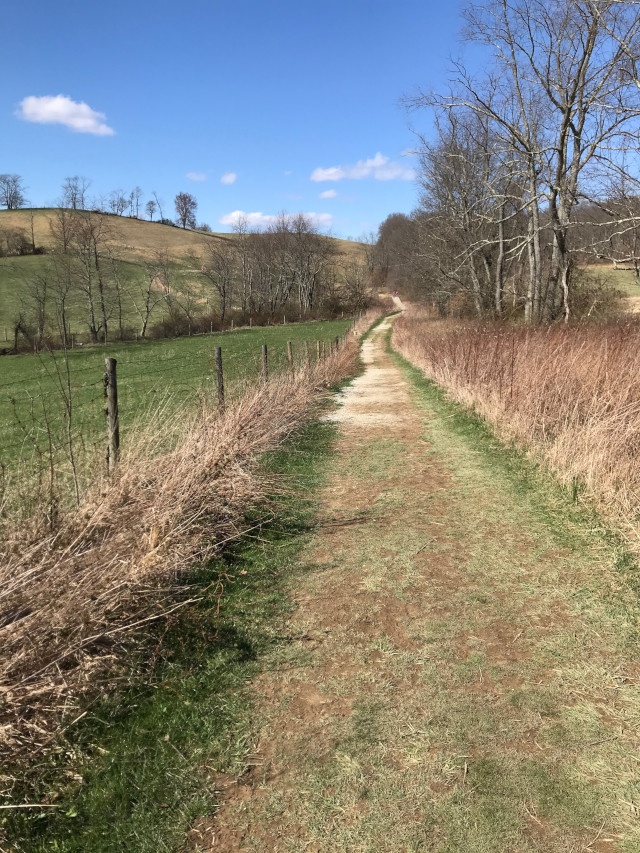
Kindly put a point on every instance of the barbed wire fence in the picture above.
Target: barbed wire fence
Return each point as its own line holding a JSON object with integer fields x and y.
{"x": 58, "y": 436}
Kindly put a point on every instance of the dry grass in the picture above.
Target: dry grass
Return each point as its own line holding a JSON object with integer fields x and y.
{"x": 137, "y": 238}
{"x": 71, "y": 602}
{"x": 572, "y": 395}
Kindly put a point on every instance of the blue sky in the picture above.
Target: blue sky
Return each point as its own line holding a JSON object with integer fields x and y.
{"x": 290, "y": 101}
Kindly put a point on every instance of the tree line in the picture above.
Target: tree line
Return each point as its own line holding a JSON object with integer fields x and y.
{"x": 75, "y": 196}
{"x": 532, "y": 169}
{"x": 289, "y": 268}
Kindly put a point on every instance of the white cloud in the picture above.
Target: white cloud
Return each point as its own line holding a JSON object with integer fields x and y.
{"x": 196, "y": 176}
{"x": 288, "y": 172}
{"x": 380, "y": 168}
{"x": 328, "y": 194}
{"x": 59, "y": 109}
{"x": 263, "y": 220}
{"x": 228, "y": 178}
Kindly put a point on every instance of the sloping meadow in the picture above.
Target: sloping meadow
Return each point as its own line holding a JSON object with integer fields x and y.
{"x": 72, "y": 602}
{"x": 570, "y": 394}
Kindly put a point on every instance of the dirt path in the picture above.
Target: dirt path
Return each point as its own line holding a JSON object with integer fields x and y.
{"x": 460, "y": 676}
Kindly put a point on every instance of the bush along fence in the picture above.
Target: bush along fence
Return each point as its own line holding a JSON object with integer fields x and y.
{"x": 52, "y": 405}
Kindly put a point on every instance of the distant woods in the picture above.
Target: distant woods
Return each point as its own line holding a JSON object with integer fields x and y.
{"x": 531, "y": 172}
{"x": 87, "y": 289}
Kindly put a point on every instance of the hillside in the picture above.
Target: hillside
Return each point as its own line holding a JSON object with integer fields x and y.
{"x": 133, "y": 242}
{"x": 135, "y": 238}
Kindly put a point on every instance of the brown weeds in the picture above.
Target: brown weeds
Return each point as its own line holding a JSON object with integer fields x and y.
{"x": 72, "y": 602}
{"x": 572, "y": 395}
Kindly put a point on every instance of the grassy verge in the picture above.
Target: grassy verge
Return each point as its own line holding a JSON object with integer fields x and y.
{"x": 141, "y": 765}
{"x": 374, "y": 326}
{"x": 549, "y": 750}
{"x": 568, "y": 395}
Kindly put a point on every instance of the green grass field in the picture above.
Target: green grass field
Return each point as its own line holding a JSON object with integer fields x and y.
{"x": 620, "y": 279}
{"x": 173, "y": 374}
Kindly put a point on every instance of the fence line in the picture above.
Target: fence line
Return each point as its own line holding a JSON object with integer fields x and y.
{"x": 43, "y": 441}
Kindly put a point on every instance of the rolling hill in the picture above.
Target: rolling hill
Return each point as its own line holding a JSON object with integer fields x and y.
{"x": 133, "y": 241}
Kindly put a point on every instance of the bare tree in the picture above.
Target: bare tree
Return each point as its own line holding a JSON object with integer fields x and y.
{"x": 356, "y": 283}
{"x": 62, "y": 225}
{"x": 562, "y": 95}
{"x": 34, "y": 300}
{"x": 136, "y": 196}
{"x": 62, "y": 287}
{"x": 469, "y": 192}
{"x": 74, "y": 192}
{"x": 219, "y": 267}
{"x": 150, "y": 207}
{"x": 93, "y": 271}
{"x": 118, "y": 202}
{"x": 12, "y": 192}
{"x": 14, "y": 241}
{"x": 149, "y": 291}
{"x": 310, "y": 252}
{"x": 246, "y": 268}
{"x": 186, "y": 206}
{"x": 159, "y": 203}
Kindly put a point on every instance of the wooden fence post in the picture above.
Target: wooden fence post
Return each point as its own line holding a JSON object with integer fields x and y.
{"x": 111, "y": 411}
{"x": 220, "y": 378}
{"x": 318, "y": 350}
{"x": 265, "y": 366}
{"x": 290, "y": 357}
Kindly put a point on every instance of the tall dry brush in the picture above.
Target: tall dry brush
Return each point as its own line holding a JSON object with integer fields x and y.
{"x": 570, "y": 394}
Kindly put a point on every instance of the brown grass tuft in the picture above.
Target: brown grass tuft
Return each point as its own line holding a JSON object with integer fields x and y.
{"x": 71, "y": 602}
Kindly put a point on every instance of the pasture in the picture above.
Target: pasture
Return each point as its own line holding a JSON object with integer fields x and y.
{"x": 42, "y": 403}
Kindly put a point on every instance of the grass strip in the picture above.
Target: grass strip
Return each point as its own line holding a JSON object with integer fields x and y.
{"x": 141, "y": 765}
{"x": 373, "y": 327}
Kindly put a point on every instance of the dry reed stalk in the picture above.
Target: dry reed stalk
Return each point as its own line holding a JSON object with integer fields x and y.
{"x": 71, "y": 601}
{"x": 571, "y": 395}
